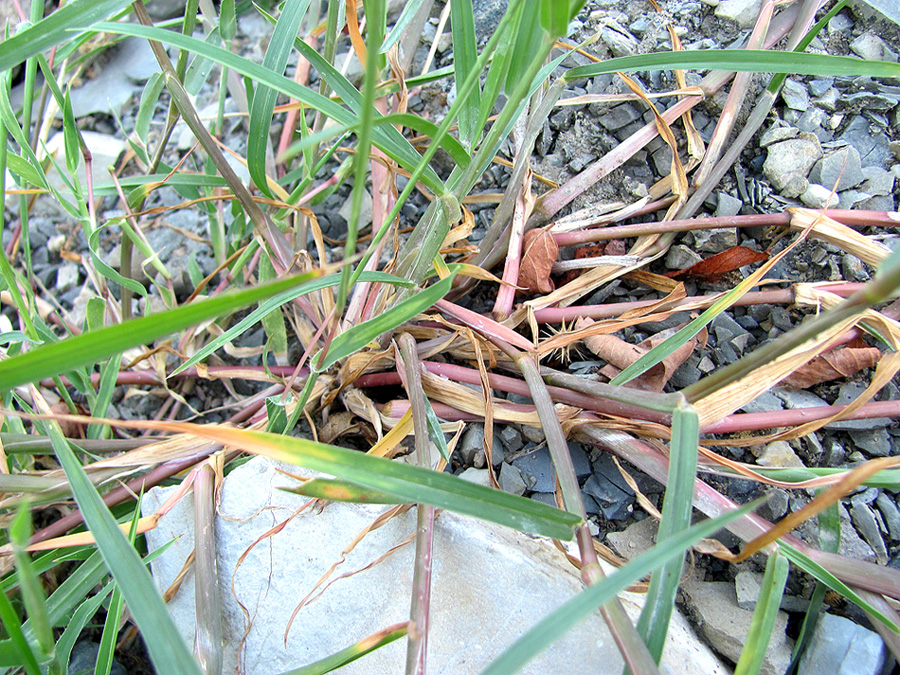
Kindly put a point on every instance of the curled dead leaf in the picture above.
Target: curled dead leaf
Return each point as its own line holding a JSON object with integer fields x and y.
{"x": 842, "y": 362}
{"x": 620, "y": 354}
{"x": 540, "y": 252}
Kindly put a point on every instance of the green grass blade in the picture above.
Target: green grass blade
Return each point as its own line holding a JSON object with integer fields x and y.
{"x": 499, "y": 67}
{"x": 528, "y": 40}
{"x": 167, "y": 649}
{"x": 74, "y": 589}
{"x": 107, "y": 649}
{"x": 30, "y": 583}
{"x": 815, "y": 570}
{"x": 554, "y": 625}
{"x": 355, "y": 338}
{"x": 275, "y": 60}
{"x": 86, "y": 610}
{"x": 55, "y": 28}
{"x": 435, "y": 433}
{"x": 668, "y": 346}
{"x": 889, "y": 479}
{"x": 227, "y": 19}
{"x": 341, "y": 491}
{"x": 273, "y": 323}
{"x": 407, "y": 483}
{"x": 388, "y": 139}
{"x": 653, "y": 624}
{"x": 21, "y": 168}
{"x": 778, "y": 79}
{"x": 743, "y": 60}
{"x": 105, "y": 391}
{"x": 88, "y": 348}
{"x": 407, "y": 15}
{"x": 465, "y": 58}
{"x": 274, "y": 303}
{"x": 353, "y": 652}
{"x": 375, "y": 16}
{"x": 276, "y": 415}
{"x": 764, "y": 616}
{"x": 108, "y": 638}
{"x": 16, "y": 649}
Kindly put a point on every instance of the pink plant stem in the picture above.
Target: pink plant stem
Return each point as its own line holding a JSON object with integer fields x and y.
{"x": 507, "y": 292}
{"x": 775, "y": 297}
{"x": 148, "y": 378}
{"x": 125, "y": 493}
{"x": 883, "y": 580}
{"x": 398, "y": 408}
{"x": 324, "y": 185}
{"x": 301, "y": 76}
{"x": 484, "y": 325}
{"x": 254, "y": 404}
{"x": 846, "y": 217}
{"x": 730, "y": 424}
{"x": 382, "y": 202}
{"x": 796, "y": 416}
{"x": 516, "y": 386}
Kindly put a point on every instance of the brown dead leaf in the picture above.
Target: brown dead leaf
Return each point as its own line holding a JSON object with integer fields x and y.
{"x": 711, "y": 269}
{"x": 839, "y": 363}
{"x": 540, "y": 253}
{"x": 620, "y": 354}
{"x": 338, "y": 424}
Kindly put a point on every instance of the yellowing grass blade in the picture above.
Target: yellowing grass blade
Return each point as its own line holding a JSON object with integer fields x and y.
{"x": 821, "y": 226}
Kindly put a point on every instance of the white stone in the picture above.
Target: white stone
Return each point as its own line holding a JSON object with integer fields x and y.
{"x": 779, "y": 454}
{"x": 742, "y": 12}
{"x": 490, "y": 585}
{"x": 365, "y": 213}
{"x": 66, "y": 277}
{"x": 105, "y": 150}
{"x": 820, "y": 197}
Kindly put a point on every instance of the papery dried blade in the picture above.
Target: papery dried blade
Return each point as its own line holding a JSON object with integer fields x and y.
{"x": 713, "y": 268}
{"x": 695, "y": 144}
{"x": 677, "y": 173}
{"x": 839, "y": 363}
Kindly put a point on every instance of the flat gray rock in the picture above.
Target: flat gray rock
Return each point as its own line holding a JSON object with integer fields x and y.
{"x": 840, "y": 168}
{"x": 841, "y": 647}
{"x": 888, "y": 8}
{"x": 722, "y": 622}
{"x": 490, "y": 585}
{"x": 131, "y": 62}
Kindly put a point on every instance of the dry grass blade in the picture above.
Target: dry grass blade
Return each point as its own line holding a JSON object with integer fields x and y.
{"x": 849, "y": 482}
{"x": 736, "y": 394}
{"x": 824, "y": 227}
{"x": 677, "y": 173}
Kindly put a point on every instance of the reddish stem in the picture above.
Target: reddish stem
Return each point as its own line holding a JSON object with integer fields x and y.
{"x": 781, "y": 296}
{"x": 148, "y": 378}
{"x": 843, "y": 216}
{"x": 729, "y": 424}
